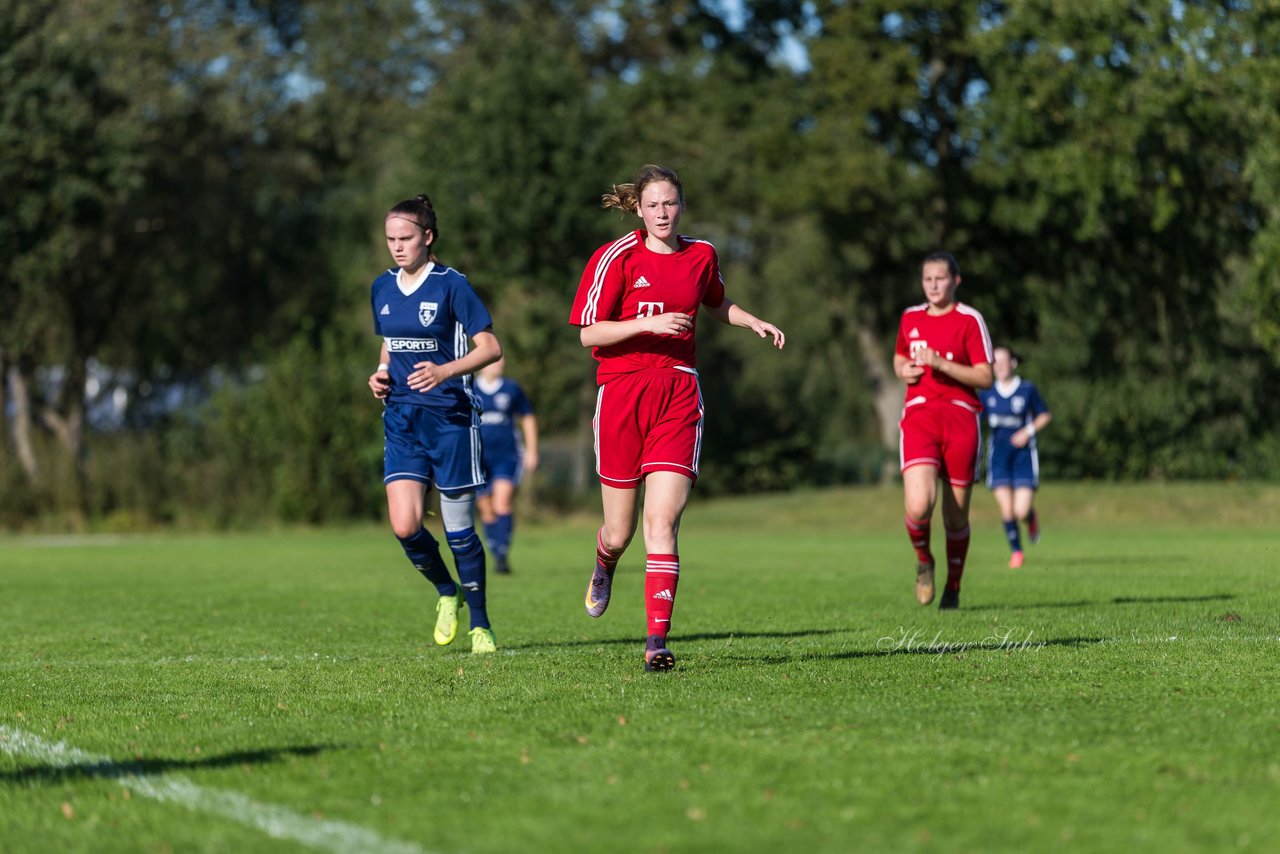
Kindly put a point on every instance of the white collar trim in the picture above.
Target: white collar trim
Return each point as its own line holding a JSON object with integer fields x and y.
{"x": 407, "y": 288}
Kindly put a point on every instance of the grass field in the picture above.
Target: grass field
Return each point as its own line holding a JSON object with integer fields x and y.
{"x": 281, "y": 691}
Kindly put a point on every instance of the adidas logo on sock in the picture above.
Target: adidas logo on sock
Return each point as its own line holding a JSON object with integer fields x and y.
{"x": 664, "y": 594}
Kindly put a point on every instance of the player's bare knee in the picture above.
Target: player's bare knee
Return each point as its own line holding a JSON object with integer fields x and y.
{"x": 405, "y": 527}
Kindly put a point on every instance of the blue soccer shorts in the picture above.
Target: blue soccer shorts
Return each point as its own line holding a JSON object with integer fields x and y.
{"x": 431, "y": 446}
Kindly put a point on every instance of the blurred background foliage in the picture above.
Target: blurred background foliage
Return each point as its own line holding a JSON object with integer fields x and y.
{"x": 191, "y": 199}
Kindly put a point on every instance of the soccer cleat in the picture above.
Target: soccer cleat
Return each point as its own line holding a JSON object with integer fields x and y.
{"x": 598, "y": 591}
{"x": 501, "y": 566}
{"x": 924, "y": 583}
{"x": 482, "y": 641}
{"x": 1033, "y": 529}
{"x": 1015, "y": 560}
{"x": 950, "y": 599}
{"x": 657, "y": 656}
{"x": 447, "y": 618}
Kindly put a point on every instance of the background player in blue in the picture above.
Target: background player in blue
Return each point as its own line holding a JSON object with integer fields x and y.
{"x": 508, "y": 455}
{"x": 1015, "y": 414}
{"x": 427, "y": 315}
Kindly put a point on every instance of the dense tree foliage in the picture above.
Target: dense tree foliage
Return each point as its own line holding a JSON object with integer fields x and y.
{"x": 192, "y": 197}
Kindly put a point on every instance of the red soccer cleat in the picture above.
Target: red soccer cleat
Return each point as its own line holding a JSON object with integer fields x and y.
{"x": 1015, "y": 560}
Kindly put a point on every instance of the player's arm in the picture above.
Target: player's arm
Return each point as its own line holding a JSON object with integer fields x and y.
{"x": 529, "y": 427}
{"x": 1021, "y": 437}
{"x": 428, "y": 375}
{"x": 602, "y": 333}
{"x": 731, "y": 313}
{"x": 380, "y": 379}
{"x": 974, "y": 376}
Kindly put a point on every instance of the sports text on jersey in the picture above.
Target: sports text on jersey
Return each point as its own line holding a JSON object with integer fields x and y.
{"x": 1014, "y": 421}
{"x": 412, "y": 345}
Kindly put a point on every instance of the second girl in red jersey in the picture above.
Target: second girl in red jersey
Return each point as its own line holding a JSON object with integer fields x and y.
{"x": 944, "y": 355}
{"x": 636, "y": 307}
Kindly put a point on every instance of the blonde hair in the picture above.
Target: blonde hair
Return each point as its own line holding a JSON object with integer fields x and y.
{"x": 626, "y": 197}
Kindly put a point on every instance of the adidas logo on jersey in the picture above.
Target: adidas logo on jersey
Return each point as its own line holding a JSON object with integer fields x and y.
{"x": 641, "y": 282}
{"x": 386, "y": 309}
{"x": 914, "y": 333}
{"x": 664, "y": 594}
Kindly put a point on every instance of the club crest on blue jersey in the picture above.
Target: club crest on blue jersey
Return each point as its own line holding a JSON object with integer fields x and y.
{"x": 427, "y": 312}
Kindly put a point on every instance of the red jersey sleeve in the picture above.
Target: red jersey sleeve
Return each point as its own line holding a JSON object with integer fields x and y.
{"x": 902, "y": 348}
{"x": 601, "y": 286}
{"x": 977, "y": 341}
{"x": 714, "y": 296}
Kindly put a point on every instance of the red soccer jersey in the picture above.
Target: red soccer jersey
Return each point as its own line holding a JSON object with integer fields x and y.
{"x": 625, "y": 280}
{"x": 960, "y": 335}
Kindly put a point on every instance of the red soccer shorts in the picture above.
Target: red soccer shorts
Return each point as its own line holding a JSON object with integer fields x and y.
{"x": 645, "y": 422}
{"x": 944, "y": 435}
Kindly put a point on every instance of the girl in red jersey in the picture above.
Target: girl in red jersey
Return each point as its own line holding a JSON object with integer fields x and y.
{"x": 944, "y": 356}
{"x": 636, "y": 307}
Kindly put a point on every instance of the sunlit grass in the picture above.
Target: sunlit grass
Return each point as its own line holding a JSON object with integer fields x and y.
{"x": 1118, "y": 692}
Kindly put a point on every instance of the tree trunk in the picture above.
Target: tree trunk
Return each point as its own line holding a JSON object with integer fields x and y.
{"x": 4, "y": 401}
{"x": 68, "y": 426}
{"x": 19, "y": 382}
{"x": 886, "y": 392}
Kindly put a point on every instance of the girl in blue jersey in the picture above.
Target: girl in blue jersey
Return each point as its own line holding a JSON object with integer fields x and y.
{"x": 509, "y": 454}
{"x": 428, "y": 315}
{"x": 1015, "y": 413}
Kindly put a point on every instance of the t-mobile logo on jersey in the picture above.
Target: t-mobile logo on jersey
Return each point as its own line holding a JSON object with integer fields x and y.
{"x": 649, "y": 309}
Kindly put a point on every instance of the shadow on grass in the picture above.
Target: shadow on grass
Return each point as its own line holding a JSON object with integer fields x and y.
{"x": 929, "y": 646}
{"x": 1118, "y": 600}
{"x": 109, "y": 769}
{"x": 1208, "y": 597}
{"x": 701, "y": 636}
{"x": 1107, "y": 560}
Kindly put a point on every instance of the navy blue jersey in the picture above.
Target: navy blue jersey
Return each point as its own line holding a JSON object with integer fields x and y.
{"x": 433, "y": 323}
{"x": 500, "y": 408}
{"x": 1009, "y": 413}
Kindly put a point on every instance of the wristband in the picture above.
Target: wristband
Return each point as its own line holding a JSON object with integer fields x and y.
{"x": 1031, "y": 430}
{"x": 382, "y": 366}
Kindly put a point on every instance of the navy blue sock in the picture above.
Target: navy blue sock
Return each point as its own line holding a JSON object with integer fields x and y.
{"x": 506, "y": 527}
{"x": 493, "y": 535}
{"x": 468, "y": 554}
{"x": 1011, "y": 531}
{"x": 424, "y": 553}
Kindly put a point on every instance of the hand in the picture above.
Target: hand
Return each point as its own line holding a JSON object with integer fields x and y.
{"x": 763, "y": 329}
{"x": 927, "y": 357}
{"x": 1019, "y": 439}
{"x": 911, "y": 373}
{"x": 427, "y": 375}
{"x": 530, "y": 461}
{"x": 671, "y": 323}
{"x": 380, "y": 384}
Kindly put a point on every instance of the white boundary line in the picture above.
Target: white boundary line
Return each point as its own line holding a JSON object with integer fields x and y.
{"x": 275, "y": 821}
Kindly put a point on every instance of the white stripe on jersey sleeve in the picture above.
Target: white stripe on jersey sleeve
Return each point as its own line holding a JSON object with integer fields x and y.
{"x": 590, "y": 310}
{"x": 982, "y": 326}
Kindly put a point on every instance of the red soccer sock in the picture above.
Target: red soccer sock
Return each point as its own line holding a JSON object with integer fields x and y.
{"x": 919, "y": 534}
{"x": 957, "y": 551}
{"x": 661, "y": 575}
{"x": 605, "y": 558}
